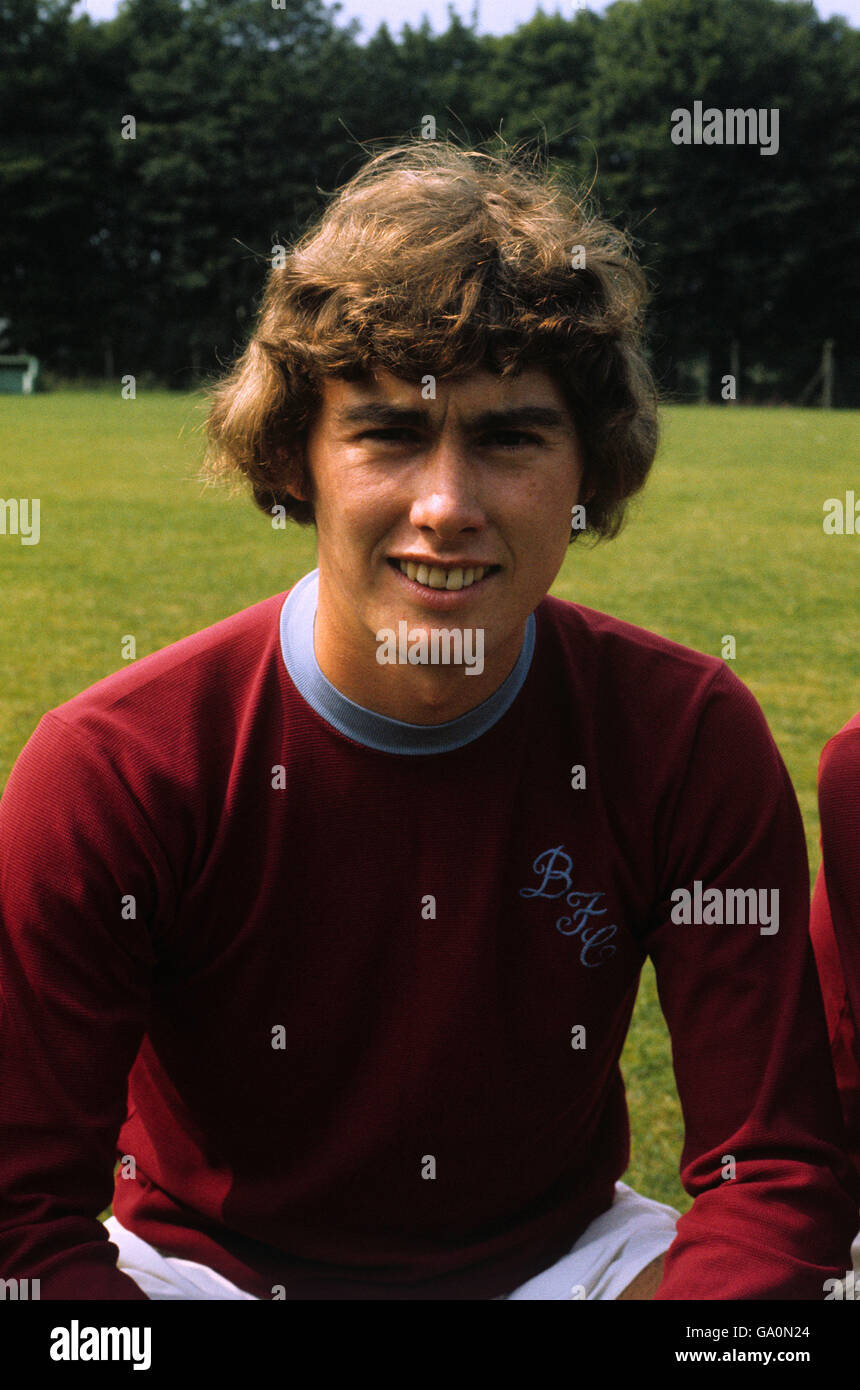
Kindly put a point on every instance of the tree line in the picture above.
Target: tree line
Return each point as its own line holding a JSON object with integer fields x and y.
{"x": 150, "y": 162}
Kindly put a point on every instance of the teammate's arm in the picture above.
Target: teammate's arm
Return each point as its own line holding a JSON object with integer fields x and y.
{"x": 839, "y": 807}
{"x": 774, "y": 1206}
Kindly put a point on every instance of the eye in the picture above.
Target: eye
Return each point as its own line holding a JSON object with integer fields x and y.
{"x": 514, "y": 439}
{"x": 393, "y": 435}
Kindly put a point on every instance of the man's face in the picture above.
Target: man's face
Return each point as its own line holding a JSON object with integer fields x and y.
{"x": 483, "y": 477}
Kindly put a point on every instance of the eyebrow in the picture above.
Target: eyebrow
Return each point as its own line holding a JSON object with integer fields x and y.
{"x": 406, "y": 417}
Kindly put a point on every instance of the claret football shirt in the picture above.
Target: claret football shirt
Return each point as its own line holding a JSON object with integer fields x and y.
{"x": 347, "y": 995}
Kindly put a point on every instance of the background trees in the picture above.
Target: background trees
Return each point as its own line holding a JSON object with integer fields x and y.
{"x": 148, "y": 254}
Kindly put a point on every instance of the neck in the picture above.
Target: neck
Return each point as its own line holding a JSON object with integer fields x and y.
{"x": 426, "y": 689}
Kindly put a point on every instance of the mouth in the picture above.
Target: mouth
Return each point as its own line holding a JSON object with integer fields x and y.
{"x": 450, "y": 578}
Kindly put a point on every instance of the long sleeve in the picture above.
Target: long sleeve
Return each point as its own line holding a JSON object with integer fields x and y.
{"x": 839, "y": 805}
{"x": 835, "y": 919}
{"x": 78, "y": 865}
{"x": 775, "y": 1201}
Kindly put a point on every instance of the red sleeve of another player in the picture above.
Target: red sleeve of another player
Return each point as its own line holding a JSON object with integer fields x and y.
{"x": 836, "y": 912}
{"x": 774, "y": 1208}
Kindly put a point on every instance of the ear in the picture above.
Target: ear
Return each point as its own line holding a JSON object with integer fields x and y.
{"x": 291, "y": 474}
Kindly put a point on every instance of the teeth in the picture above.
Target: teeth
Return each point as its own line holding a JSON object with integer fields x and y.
{"x": 436, "y": 577}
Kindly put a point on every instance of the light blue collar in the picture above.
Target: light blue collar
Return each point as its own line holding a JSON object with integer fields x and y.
{"x": 365, "y": 725}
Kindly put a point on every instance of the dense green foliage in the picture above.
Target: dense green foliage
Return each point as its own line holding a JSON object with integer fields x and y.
{"x": 147, "y": 255}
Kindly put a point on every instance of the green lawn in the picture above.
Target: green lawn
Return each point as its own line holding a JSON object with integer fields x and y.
{"x": 726, "y": 539}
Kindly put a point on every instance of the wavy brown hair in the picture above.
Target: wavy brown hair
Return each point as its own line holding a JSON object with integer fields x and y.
{"x": 438, "y": 260}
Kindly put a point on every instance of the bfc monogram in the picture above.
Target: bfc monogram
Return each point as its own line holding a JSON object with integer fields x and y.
{"x": 554, "y": 867}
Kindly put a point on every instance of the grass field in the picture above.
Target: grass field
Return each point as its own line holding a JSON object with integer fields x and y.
{"x": 726, "y": 539}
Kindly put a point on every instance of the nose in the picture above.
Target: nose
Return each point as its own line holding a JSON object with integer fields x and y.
{"x": 445, "y": 500}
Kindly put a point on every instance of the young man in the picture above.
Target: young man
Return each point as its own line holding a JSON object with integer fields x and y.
{"x": 835, "y": 921}
{"x": 335, "y": 912}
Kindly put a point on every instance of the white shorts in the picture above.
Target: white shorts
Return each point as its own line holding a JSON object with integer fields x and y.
{"x": 607, "y": 1257}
